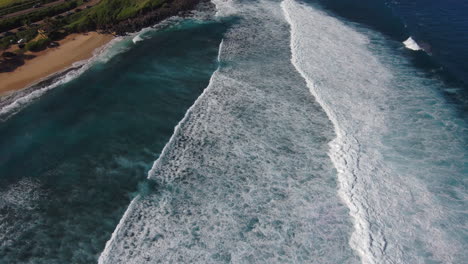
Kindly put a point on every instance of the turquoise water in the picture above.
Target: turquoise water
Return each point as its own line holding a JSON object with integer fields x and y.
{"x": 72, "y": 160}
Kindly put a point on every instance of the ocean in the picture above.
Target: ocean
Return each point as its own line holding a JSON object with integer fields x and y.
{"x": 72, "y": 159}
{"x": 278, "y": 131}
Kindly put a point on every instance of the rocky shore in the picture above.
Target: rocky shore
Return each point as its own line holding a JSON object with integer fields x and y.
{"x": 151, "y": 17}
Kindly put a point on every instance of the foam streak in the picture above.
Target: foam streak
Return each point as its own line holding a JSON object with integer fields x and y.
{"x": 344, "y": 153}
{"x": 396, "y": 153}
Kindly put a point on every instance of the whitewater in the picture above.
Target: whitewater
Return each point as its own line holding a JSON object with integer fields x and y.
{"x": 315, "y": 141}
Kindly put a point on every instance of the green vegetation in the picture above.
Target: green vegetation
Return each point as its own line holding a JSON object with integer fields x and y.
{"x": 27, "y": 34}
{"x": 9, "y": 3}
{"x": 11, "y": 6}
{"x": 104, "y": 15}
{"x": 14, "y": 22}
{"x": 6, "y": 41}
{"x": 110, "y": 11}
{"x": 38, "y": 45}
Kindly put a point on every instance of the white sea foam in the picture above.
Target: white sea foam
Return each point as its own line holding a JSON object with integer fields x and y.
{"x": 344, "y": 151}
{"x": 105, "y": 255}
{"x": 137, "y": 38}
{"x": 225, "y": 8}
{"x": 22, "y": 195}
{"x": 411, "y": 44}
{"x": 15, "y": 102}
{"x": 17, "y": 198}
{"x": 245, "y": 177}
{"x": 391, "y": 125}
{"x": 140, "y": 35}
{"x": 11, "y": 104}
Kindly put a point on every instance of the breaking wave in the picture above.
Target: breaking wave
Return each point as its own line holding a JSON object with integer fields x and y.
{"x": 137, "y": 38}
{"x": 246, "y": 176}
{"x": 411, "y": 44}
{"x": 397, "y": 156}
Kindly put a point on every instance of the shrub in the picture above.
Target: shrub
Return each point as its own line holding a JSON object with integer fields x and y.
{"x": 38, "y": 45}
{"x": 109, "y": 12}
{"x": 6, "y": 41}
{"x": 27, "y": 34}
{"x": 13, "y": 22}
{"x": 56, "y": 35}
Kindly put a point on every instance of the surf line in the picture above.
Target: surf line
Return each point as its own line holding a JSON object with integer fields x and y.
{"x": 153, "y": 170}
{"x": 17, "y": 100}
{"x": 344, "y": 153}
{"x": 107, "y": 249}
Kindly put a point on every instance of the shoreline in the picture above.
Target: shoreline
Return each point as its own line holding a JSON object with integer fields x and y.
{"x": 38, "y": 67}
{"x": 73, "y": 48}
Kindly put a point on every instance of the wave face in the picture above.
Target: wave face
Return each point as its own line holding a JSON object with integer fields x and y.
{"x": 400, "y": 149}
{"x": 246, "y": 177}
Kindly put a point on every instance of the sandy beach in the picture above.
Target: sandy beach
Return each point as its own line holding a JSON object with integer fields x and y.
{"x": 73, "y": 48}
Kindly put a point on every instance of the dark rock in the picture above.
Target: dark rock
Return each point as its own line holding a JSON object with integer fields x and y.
{"x": 152, "y": 17}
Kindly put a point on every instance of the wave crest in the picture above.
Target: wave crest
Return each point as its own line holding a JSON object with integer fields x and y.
{"x": 411, "y": 44}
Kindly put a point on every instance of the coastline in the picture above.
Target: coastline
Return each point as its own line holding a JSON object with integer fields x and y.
{"x": 73, "y": 48}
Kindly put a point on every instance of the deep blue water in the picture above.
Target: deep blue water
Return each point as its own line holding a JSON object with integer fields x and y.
{"x": 440, "y": 27}
{"x": 443, "y": 25}
{"x": 71, "y": 161}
